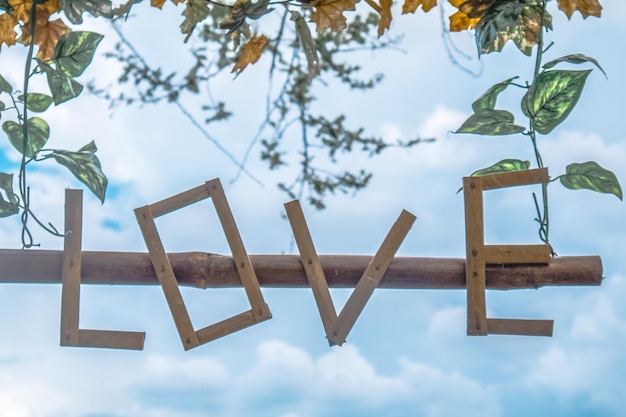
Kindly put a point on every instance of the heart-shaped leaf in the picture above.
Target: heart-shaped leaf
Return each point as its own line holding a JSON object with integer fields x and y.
{"x": 506, "y": 165}
{"x": 491, "y": 123}
{"x": 488, "y": 100}
{"x": 74, "y": 51}
{"x": 4, "y": 85}
{"x": 552, "y": 98}
{"x": 10, "y": 205}
{"x": 38, "y": 134}
{"x": 85, "y": 166}
{"x": 591, "y": 176}
{"x": 62, "y": 86}
{"x": 37, "y": 102}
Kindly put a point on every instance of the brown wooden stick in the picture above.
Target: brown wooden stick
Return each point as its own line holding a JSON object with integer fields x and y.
{"x": 205, "y": 270}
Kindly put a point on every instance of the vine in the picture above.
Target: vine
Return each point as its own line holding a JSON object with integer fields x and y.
{"x": 548, "y": 99}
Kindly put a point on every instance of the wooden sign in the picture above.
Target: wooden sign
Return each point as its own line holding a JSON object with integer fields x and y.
{"x": 485, "y": 266}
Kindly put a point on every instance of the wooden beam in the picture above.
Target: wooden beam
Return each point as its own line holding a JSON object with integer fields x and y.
{"x": 205, "y": 270}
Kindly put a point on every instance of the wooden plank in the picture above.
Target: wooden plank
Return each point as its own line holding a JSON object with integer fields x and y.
{"x": 311, "y": 264}
{"x": 228, "y": 326}
{"x": 208, "y": 270}
{"x": 517, "y": 254}
{"x": 370, "y": 279}
{"x": 521, "y": 327}
{"x": 515, "y": 178}
{"x": 476, "y": 279}
{"x": 178, "y": 201}
{"x": 240, "y": 256}
{"x": 72, "y": 244}
{"x": 166, "y": 277}
{"x": 111, "y": 339}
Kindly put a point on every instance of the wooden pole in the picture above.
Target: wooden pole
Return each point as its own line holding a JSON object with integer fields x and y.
{"x": 205, "y": 270}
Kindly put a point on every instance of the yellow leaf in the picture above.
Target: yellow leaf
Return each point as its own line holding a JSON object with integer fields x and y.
{"x": 21, "y": 8}
{"x": 469, "y": 14}
{"x": 250, "y": 53}
{"x": 385, "y": 16}
{"x": 47, "y": 34}
{"x": 460, "y": 21}
{"x": 410, "y": 6}
{"x": 7, "y": 29}
{"x": 329, "y": 14}
{"x": 585, "y": 7}
{"x": 157, "y": 3}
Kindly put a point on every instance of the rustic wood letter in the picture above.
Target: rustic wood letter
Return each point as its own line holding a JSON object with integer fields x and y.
{"x": 259, "y": 310}
{"x": 478, "y": 255}
{"x": 338, "y": 327}
{"x": 71, "y": 334}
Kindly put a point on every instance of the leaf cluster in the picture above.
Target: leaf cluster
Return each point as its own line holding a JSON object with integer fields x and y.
{"x": 29, "y": 135}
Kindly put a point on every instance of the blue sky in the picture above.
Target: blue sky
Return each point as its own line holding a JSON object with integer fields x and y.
{"x": 408, "y": 353}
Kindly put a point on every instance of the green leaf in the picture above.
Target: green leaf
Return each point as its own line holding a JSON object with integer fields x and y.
{"x": 38, "y": 134}
{"x": 195, "y": 11}
{"x": 574, "y": 59}
{"x": 552, "y": 97}
{"x": 591, "y": 176}
{"x": 516, "y": 20}
{"x": 5, "y": 86}
{"x": 74, "y": 51}
{"x": 307, "y": 44}
{"x": 37, "y": 102}
{"x": 488, "y": 100}
{"x": 10, "y": 205}
{"x": 2, "y": 107}
{"x": 506, "y": 165}
{"x": 491, "y": 123}
{"x": 74, "y": 9}
{"x": 85, "y": 166}
{"x": 62, "y": 86}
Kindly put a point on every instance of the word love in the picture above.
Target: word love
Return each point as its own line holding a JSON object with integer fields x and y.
{"x": 336, "y": 326}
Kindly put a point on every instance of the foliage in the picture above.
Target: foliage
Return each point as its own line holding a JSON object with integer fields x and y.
{"x": 72, "y": 53}
{"x": 232, "y": 38}
{"x": 548, "y": 99}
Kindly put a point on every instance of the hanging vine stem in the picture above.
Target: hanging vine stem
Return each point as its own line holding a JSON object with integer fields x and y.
{"x": 543, "y": 216}
{"x": 26, "y": 235}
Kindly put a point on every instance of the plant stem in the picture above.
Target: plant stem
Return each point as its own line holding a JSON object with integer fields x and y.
{"x": 543, "y": 216}
{"x": 27, "y": 238}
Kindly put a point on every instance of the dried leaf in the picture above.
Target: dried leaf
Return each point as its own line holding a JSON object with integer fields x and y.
{"x": 385, "y": 16}
{"x": 8, "y": 35}
{"x": 21, "y": 8}
{"x": 250, "y": 53}
{"x": 469, "y": 14}
{"x": 585, "y": 7}
{"x": 307, "y": 44}
{"x": 410, "y": 6}
{"x": 329, "y": 14}
{"x": 513, "y": 20}
{"x": 157, "y": 3}
{"x": 195, "y": 12}
{"x": 460, "y": 21}
{"x": 47, "y": 34}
